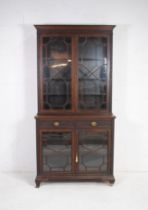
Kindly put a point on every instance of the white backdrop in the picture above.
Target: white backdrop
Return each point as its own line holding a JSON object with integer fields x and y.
{"x": 18, "y": 92}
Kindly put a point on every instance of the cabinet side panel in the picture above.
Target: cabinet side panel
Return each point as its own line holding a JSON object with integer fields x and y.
{"x": 38, "y": 152}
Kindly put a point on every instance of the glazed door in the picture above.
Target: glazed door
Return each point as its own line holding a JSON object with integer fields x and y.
{"x": 93, "y": 72}
{"x": 56, "y": 73}
{"x": 56, "y": 151}
{"x": 93, "y": 151}
{"x": 74, "y": 73}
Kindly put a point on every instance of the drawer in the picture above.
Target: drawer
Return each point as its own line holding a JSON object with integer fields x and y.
{"x": 72, "y": 122}
{"x": 93, "y": 123}
{"x": 56, "y": 124}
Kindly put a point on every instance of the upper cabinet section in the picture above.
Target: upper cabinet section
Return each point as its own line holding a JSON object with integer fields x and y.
{"x": 74, "y": 69}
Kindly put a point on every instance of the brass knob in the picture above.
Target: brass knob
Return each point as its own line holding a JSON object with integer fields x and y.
{"x": 93, "y": 124}
{"x": 56, "y": 123}
{"x": 76, "y": 160}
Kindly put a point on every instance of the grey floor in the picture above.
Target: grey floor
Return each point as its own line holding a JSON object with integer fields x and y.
{"x": 18, "y": 192}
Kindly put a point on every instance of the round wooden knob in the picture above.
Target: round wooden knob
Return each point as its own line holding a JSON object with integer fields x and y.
{"x": 93, "y": 124}
{"x": 56, "y": 123}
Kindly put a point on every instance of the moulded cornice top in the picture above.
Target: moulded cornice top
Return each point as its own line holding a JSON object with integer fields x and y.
{"x": 75, "y": 27}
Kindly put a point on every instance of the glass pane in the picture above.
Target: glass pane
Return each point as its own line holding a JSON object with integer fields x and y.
{"x": 93, "y": 151}
{"x": 92, "y": 73}
{"x": 56, "y": 73}
{"x": 56, "y": 151}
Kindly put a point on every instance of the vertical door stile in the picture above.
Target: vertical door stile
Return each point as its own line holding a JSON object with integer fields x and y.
{"x": 40, "y": 72}
{"x": 40, "y": 154}
{"x": 76, "y": 151}
{"x": 74, "y": 72}
{"x": 73, "y": 152}
{"x": 109, "y": 152}
{"x": 109, "y": 82}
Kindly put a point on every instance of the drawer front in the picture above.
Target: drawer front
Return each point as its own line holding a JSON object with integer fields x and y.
{"x": 94, "y": 123}
{"x": 56, "y": 124}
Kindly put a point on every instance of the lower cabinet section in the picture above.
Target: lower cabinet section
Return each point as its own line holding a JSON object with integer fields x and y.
{"x": 74, "y": 153}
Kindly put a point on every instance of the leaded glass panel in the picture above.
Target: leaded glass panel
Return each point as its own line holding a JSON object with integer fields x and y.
{"x": 93, "y": 151}
{"x": 92, "y": 73}
{"x": 56, "y": 147}
{"x": 56, "y": 60}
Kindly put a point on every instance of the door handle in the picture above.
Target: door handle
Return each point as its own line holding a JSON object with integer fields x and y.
{"x": 76, "y": 159}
